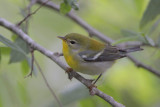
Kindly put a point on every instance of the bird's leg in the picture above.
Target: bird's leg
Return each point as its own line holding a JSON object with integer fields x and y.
{"x": 93, "y": 85}
{"x": 68, "y": 71}
{"x": 91, "y": 80}
{"x": 97, "y": 79}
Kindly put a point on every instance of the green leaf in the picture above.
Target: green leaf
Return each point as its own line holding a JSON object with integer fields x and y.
{"x": 65, "y": 8}
{"x": 5, "y": 50}
{"x": 0, "y": 55}
{"x": 152, "y": 11}
{"x": 16, "y": 56}
{"x": 158, "y": 41}
{"x": 149, "y": 40}
{"x": 10, "y": 44}
{"x": 14, "y": 36}
{"x": 23, "y": 94}
{"x": 17, "y": 53}
{"x": 131, "y": 38}
{"x": 77, "y": 91}
{"x": 25, "y": 67}
{"x": 154, "y": 27}
{"x": 72, "y": 3}
{"x": 127, "y": 33}
{"x": 22, "y": 44}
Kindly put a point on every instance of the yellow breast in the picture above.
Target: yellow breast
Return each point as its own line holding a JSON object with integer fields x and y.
{"x": 69, "y": 57}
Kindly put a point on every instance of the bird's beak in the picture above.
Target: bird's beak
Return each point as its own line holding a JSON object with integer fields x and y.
{"x": 62, "y": 38}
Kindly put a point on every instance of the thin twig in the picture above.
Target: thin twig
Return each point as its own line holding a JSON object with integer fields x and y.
{"x": 96, "y": 33}
{"x": 47, "y": 84}
{"x": 139, "y": 64}
{"x": 32, "y": 2}
{"x": 30, "y": 14}
{"x": 56, "y": 59}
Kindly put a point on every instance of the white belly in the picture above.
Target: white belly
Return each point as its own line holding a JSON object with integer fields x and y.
{"x": 95, "y": 68}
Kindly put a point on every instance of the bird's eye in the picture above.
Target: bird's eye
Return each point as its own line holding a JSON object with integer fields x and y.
{"x": 72, "y": 42}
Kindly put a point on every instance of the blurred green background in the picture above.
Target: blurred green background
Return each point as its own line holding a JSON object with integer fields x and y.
{"x": 129, "y": 85}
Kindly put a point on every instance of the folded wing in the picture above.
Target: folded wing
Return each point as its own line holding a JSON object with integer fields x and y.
{"x": 110, "y": 53}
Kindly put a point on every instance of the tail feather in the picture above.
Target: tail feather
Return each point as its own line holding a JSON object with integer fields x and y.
{"x": 128, "y": 50}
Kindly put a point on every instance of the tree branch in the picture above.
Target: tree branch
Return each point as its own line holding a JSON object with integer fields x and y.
{"x": 54, "y": 58}
{"x": 98, "y": 34}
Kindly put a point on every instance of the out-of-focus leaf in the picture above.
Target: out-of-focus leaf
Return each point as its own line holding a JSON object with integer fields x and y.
{"x": 22, "y": 44}
{"x": 65, "y": 8}
{"x": 72, "y": 3}
{"x": 0, "y": 55}
{"x": 127, "y": 33}
{"x": 25, "y": 67}
{"x": 16, "y": 56}
{"x": 131, "y": 38}
{"x": 149, "y": 40}
{"x": 18, "y": 53}
{"x": 23, "y": 94}
{"x": 75, "y": 92}
{"x": 67, "y": 5}
{"x": 152, "y": 11}
{"x": 158, "y": 42}
{"x": 154, "y": 26}
{"x": 1, "y": 102}
{"x": 14, "y": 36}
{"x": 10, "y": 44}
{"x": 5, "y": 50}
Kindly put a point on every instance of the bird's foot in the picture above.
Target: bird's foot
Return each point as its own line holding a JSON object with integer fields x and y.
{"x": 91, "y": 89}
{"x": 68, "y": 71}
{"x": 91, "y": 80}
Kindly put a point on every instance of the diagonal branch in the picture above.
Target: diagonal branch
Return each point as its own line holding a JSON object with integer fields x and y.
{"x": 54, "y": 58}
{"x": 98, "y": 34}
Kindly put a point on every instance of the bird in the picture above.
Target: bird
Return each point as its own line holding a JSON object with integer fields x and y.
{"x": 89, "y": 56}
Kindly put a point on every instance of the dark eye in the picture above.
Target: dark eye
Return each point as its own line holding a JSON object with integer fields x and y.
{"x": 72, "y": 42}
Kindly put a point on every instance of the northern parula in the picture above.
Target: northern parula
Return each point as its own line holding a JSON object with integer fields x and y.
{"x": 89, "y": 56}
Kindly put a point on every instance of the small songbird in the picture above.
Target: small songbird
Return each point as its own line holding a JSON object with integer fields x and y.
{"x": 89, "y": 56}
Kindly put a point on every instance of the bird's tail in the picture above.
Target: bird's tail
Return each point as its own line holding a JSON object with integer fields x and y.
{"x": 133, "y": 49}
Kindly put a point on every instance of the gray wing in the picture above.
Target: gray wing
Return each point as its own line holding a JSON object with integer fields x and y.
{"x": 110, "y": 53}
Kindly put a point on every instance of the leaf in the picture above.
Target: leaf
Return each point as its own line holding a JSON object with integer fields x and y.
{"x": 127, "y": 33}
{"x": 154, "y": 27}
{"x": 14, "y": 36}
{"x": 158, "y": 41}
{"x": 16, "y": 56}
{"x": 0, "y": 55}
{"x": 5, "y": 50}
{"x": 152, "y": 11}
{"x": 25, "y": 67}
{"x": 23, "y": 94}
{"x": 131, "y": 38}
{"x": 149, "y": 40}
{"x": 10, "y": 44}
{"x": 77, "y": 91}
{"x": 22, "y": 44}
{"x": 65, "y": 8}
{"x": 73, "y": 4}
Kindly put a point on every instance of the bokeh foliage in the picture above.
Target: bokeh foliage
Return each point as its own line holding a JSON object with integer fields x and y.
{"x": 122, "y": 20}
